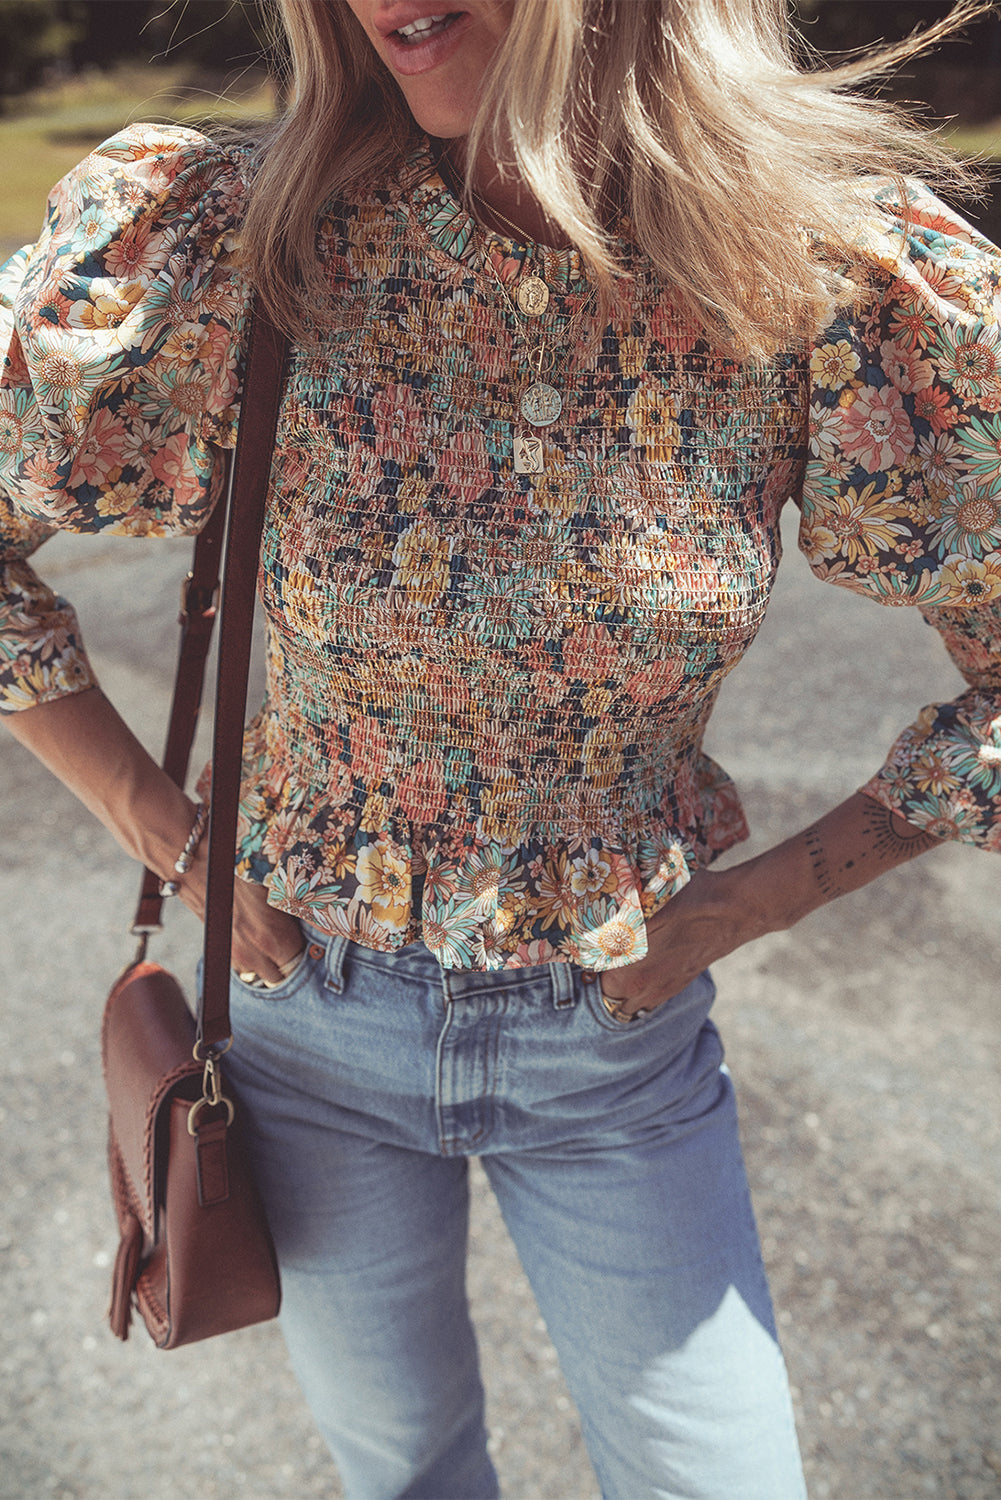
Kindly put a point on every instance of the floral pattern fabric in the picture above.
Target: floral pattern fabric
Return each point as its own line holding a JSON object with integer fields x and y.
{"x": 500, "y": 679}
{"x": 902, "y": 493}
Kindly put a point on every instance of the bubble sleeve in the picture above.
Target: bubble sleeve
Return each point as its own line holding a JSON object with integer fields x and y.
{"x": 122, "y": 337}
{"x": 902, "y": 496}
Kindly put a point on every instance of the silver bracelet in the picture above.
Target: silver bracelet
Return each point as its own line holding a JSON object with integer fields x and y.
{"x": 182, "y": 864}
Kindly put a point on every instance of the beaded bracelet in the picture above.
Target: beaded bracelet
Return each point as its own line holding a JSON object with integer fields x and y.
{"x": 182, "y": 863}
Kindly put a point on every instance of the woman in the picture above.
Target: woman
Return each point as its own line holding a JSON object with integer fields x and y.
{"x": 549, "y": 392}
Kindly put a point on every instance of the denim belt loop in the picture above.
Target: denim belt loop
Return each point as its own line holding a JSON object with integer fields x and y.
{"x": 561, "y": 976}
{"x": 336, "y": 951}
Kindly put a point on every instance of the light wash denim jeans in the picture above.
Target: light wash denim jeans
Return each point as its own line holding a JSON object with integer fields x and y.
{"x": 369, "y": 1079}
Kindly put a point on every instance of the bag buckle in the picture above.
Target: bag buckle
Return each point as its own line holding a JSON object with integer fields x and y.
{"x": 212, "y": 1094}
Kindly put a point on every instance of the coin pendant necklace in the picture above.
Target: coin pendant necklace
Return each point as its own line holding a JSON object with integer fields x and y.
{"x": 532, "y": 296}
{"x": 540, "y": 404}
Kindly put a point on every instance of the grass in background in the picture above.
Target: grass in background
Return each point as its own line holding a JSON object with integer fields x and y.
{"x": 53, "y": 128}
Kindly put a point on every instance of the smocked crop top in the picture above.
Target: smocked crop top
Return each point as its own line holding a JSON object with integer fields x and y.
{"x": 502, "y": 678}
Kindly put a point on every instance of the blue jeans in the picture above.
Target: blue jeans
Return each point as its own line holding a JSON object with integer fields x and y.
{"x": 369, "y": 1079}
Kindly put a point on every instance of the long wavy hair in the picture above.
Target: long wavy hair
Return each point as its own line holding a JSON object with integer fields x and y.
{"x": 705, "y": 123}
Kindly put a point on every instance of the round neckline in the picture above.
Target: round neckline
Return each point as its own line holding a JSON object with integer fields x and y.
{"x": 456, "y": 233}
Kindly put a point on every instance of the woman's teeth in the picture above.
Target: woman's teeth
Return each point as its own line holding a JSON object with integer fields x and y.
{"x": 428, "y": 26}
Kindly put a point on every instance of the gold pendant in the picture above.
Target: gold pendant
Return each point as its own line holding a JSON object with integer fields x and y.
{"x": 527, "y": 454}
{"x": 541, "y": 404}
{"x": 532, "y": 296}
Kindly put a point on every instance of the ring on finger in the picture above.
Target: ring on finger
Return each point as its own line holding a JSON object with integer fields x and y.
{"x": 616, "y": 1009}
{"x": 258, "y": 982}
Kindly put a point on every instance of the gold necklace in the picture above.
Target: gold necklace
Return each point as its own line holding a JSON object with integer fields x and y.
{"x": 540, "y": 403}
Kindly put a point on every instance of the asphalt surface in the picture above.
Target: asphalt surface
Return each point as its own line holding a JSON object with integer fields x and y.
{"x": 864, "y": 1047}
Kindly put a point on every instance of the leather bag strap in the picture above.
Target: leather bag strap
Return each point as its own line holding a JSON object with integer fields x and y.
{"x": 267, "y": 353}
{"x": 199, "y": 594}
{"x": 247, "y": 489}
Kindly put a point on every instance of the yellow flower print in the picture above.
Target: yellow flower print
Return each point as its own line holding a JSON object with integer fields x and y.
{"x": 854, "y": 525}
{"x": 383, "y": 874}
{"x": 590, "y": 874}
{"x": 500, "y": 805}
{"x": 300, "y": 599}
{"x": 833, "y": 365}
{"x": 930, "y": 775}
{"x": 603, "y": 756}
{"x": 376, "y": 813}
{"x": 558, "y": 902}
{"x": 109, "y": 307}
{"x": 185, "y": 343}
{"x": 596, "y": 702}
{"x": 652, "y": 419}
{"x": 971, "y": 582}
{"x": 421, "y": 559}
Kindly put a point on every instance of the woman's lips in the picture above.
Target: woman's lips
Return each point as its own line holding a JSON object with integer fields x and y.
{"x": 420, "y": 56}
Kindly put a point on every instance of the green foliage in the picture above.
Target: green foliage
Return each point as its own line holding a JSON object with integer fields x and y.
{"x": 40, "y": 39}
{"x": 34, "y": 35}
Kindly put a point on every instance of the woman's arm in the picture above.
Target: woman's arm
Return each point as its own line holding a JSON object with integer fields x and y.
{"x": 719, "y": 911}
{"x": 89, "y": 747}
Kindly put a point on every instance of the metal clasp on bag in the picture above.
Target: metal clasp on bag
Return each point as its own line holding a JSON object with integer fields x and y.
{"x": 212, "y": 1094}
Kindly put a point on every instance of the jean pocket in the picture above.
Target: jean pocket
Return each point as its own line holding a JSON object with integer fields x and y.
{"x": 698, "y": 995}
{"x": 311, "y": 955}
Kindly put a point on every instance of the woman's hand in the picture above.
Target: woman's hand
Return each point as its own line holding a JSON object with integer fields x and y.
{"x": 717, "y": 912}
{"x": 266, "y": 941}
{"x": 702, "y": 923}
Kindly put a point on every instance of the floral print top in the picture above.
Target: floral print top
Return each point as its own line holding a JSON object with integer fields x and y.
{"x": 501, "y": 678}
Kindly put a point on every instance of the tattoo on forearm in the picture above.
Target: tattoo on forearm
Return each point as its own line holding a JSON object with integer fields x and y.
{"x": 892, "y": 837}
{"x": 828, "y": 880}
{"x": 887, "y": 840}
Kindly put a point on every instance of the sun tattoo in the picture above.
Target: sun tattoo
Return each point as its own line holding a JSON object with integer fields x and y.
{"x": 887, "y": 841}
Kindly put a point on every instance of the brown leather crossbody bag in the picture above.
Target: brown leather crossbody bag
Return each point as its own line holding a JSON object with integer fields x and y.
{"x": 196, "y": 1257}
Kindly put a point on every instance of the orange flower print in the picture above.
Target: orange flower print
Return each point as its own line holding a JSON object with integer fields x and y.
{"x": 102, "y": 451}
{"x": 172, "y": 464}
{"x": 422, "y": 793}
{"x": 128, "y": 256}
{"x": 933, "y": 406}
{"x": 904, "y": 368}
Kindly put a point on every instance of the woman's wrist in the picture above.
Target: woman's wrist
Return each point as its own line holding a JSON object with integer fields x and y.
{"x": 843, "y": 851}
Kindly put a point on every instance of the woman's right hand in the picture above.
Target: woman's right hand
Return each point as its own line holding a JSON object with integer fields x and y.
{"x": 266, "y": 941}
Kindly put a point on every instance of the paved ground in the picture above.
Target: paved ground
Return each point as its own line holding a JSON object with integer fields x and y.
{"x": 865, "y": 1048}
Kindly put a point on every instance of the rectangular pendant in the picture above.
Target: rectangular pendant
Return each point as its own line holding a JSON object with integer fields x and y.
{"x": 527, "y": 454}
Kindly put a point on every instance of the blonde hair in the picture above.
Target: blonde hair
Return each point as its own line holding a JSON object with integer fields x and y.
{"x": 692, "y": 118}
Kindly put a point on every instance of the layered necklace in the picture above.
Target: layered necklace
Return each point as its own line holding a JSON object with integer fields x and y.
{"x": 540, "y": 403}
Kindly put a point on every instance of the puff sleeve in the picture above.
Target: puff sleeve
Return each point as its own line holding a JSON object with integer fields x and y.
{"x": 902, "y": 492}
{"x": 122, "y": 337}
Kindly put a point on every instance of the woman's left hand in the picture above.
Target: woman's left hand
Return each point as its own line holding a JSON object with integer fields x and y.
{"x": 699, "y": 925}
{"x": 719, "y": 911}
